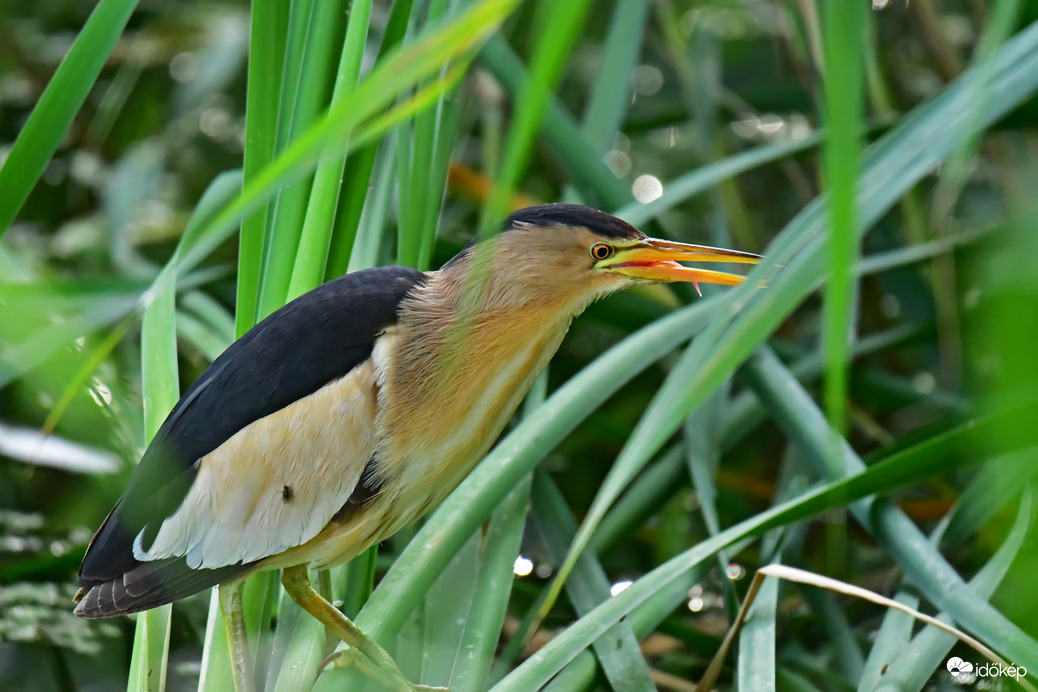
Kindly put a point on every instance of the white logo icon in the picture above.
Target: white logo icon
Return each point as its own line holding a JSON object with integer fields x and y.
{"x": 961, "y": 671}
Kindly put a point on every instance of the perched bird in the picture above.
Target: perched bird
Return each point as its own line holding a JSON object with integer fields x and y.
{"x": 353, "y": 410}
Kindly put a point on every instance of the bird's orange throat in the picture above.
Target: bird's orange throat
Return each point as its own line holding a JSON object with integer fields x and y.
{"x": 459, "y": 399}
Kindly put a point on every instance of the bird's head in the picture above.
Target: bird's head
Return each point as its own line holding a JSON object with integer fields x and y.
{"x": 567, "y": 253}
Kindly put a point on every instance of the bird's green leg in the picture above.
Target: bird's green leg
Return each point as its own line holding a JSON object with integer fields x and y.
{"x": 237, "y": 641}
{"x": 297, "y": 583}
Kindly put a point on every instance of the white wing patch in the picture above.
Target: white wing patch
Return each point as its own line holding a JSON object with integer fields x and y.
{"x": 277, "y": 482}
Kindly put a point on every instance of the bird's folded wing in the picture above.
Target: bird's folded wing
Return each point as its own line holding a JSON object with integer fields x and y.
{"x": 267, "y": 444}
{"x": 274, "y": 484}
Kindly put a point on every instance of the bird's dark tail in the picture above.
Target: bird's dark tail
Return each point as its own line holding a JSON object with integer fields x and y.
{"x": 149, "y": 585}
{"x": 113, "y": 582}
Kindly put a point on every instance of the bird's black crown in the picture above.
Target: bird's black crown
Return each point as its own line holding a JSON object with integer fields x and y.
{"x": 598, "y": 222}
{"x": 575, "y": 215}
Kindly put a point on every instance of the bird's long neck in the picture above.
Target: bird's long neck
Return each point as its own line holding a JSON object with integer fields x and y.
{"x": 457, "y": 375}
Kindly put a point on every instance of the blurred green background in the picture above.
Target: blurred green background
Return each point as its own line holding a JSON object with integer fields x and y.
{"x": 703, "y": 121}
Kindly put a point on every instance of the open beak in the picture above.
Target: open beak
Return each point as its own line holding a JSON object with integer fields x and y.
{"x": 657, "y": 260}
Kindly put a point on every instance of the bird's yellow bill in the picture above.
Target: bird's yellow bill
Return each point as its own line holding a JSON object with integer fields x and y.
{"x": 657, "y": 260}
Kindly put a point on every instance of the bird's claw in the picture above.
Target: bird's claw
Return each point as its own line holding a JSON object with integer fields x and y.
{"x": 351, "y": 658}
{"x": 333, "y": 657}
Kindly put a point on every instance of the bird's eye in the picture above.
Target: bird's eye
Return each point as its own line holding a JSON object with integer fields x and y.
{"x": 601, "y": 251}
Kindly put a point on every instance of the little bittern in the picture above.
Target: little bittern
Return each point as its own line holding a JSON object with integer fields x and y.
{"x": 353, "y": 410}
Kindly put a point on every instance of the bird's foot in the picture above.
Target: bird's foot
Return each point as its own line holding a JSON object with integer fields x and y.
{"x": 362, "y": 652}
{"x": 351, "y": 658}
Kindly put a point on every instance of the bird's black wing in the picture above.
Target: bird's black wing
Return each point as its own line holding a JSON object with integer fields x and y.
{"x": 312, "y": 341}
